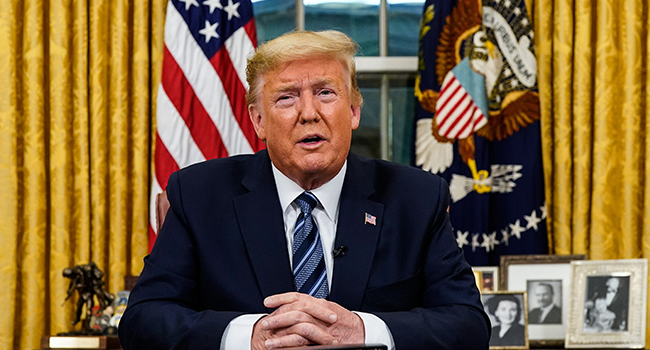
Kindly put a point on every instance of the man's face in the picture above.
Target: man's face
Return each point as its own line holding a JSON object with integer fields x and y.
{"x": 305, "y": 115}
{"x": 544, "y": 296}
{"x": 612, "y": 285}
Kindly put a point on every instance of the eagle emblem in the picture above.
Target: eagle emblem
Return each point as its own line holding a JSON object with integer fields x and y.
{"x": 487, "y": 72}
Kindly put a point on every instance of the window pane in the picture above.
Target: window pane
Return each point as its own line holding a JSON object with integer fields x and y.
{"x": 366, "y": 140}
{"x": 273, "y": 18}
{"x": 402, "y": 117}
{"x": 358, "y": 19}
{"x": 403, "y": 27}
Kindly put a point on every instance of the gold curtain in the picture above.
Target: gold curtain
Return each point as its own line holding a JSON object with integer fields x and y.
{"x": 77, "y": 82}
{"x": 593, "y": 62}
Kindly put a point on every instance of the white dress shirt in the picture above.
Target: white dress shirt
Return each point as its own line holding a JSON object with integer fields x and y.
{"x": 237, "y": 335}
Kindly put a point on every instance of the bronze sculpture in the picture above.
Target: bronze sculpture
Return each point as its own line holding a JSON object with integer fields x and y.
{"x": 87, "y": 281}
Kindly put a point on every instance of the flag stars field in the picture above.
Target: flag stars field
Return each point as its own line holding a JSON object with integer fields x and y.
{"x": 489, "y": 241}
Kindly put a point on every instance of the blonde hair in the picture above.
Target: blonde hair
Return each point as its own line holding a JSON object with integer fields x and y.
{"x": 301, "y": 45}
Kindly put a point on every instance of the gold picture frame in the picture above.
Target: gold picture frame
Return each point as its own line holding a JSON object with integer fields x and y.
{"x": 499, "y": 306}
{"x": 487, "y": 278}
{"x": 545, "y": 278}
{"x": 608, "y": 304}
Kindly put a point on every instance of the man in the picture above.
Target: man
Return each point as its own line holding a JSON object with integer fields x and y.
{"x": 383, "y": 264}
{"x": 616, "y": 298}
{"x": 546, "y": 312}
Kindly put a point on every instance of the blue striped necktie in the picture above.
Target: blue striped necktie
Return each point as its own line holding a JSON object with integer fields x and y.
{"x": 309, "y": 274}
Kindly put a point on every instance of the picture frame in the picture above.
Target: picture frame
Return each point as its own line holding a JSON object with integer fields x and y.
{"x": 507, "y": 308}
{"x": 608, "y": 304}
{"x": 487, "y": 278}
{"x": 547, "y": 281}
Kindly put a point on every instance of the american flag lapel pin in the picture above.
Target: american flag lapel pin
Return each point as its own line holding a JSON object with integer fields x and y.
{"x": 371, "y": 219}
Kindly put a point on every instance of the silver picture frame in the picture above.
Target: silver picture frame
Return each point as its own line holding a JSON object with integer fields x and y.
{"x": 608, "y": 305}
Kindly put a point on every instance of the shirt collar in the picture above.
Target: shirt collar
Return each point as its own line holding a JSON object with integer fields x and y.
{"x": 328, "y": 194}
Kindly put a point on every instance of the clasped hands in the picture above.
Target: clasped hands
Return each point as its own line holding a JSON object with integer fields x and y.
{"x": 301, "y": 319}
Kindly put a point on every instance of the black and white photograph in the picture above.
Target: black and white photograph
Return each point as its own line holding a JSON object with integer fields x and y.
{"x": 607, "y": 304}
{"x": 607, "y": 307}
{"x": 544, "y": 301}
{"x": 508, "y": 315}
{"x": 535, "y": 274}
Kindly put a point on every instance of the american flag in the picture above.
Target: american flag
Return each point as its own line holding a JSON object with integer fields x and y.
{"x": 371, "y": 219}
{"x": 201, "y": 106}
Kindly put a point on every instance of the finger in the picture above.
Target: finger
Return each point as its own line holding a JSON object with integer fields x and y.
{"x": 299, "y": 335}
{"x": 279, "y": 320}
{"x": 318, "y": 308}
{"x": 286, "y": 341}
{"x": 277, "y": 300}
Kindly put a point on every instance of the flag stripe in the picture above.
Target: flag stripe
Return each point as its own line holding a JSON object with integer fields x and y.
{"x": 444, "y": 101}
{"x": 180, "y": 93}
{"x": 250, "y": 30}
{"x": 174, "y": 133}
{"x": 463, "y": 130}
{"x": 238, "y": 47}
{"x": 165, "y": 164}
{"x": 236, "y": 94}
{"x": 460, "y": 118}
{"x": 451, "y": 111}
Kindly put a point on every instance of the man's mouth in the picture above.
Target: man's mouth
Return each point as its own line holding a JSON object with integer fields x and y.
{"x": 311, "y": 139}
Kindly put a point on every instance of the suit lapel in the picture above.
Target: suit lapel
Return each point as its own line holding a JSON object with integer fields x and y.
{"x": 262, "y": 228}
{"x": 351, "y": 272}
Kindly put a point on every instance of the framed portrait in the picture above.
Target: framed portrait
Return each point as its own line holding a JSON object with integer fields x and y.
{"x": 487, "y": 278}
{"x": 508, "y": 316}
{"x": 547, "y": 281}
{"x": 608, "y": 304}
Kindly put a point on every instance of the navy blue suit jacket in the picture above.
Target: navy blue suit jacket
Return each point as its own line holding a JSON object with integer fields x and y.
{"x": 222, "y": 250}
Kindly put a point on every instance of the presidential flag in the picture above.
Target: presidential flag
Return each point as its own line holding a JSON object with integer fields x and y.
{"x": 478, "y": 124}
{"x": 201, "y": 105}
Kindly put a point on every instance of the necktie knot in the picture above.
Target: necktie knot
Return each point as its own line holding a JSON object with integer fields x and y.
{"x": 307, "y": 202}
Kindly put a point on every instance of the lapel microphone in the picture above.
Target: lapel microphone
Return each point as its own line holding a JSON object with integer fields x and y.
{"x": 340, "y": 251}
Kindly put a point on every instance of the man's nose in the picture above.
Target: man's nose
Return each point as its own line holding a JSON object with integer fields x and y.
{"x": 309, "y": 109}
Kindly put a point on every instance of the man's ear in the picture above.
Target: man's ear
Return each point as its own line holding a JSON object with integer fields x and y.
{"x": 256, "y": 119}
{"x": 356, "y": 116}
